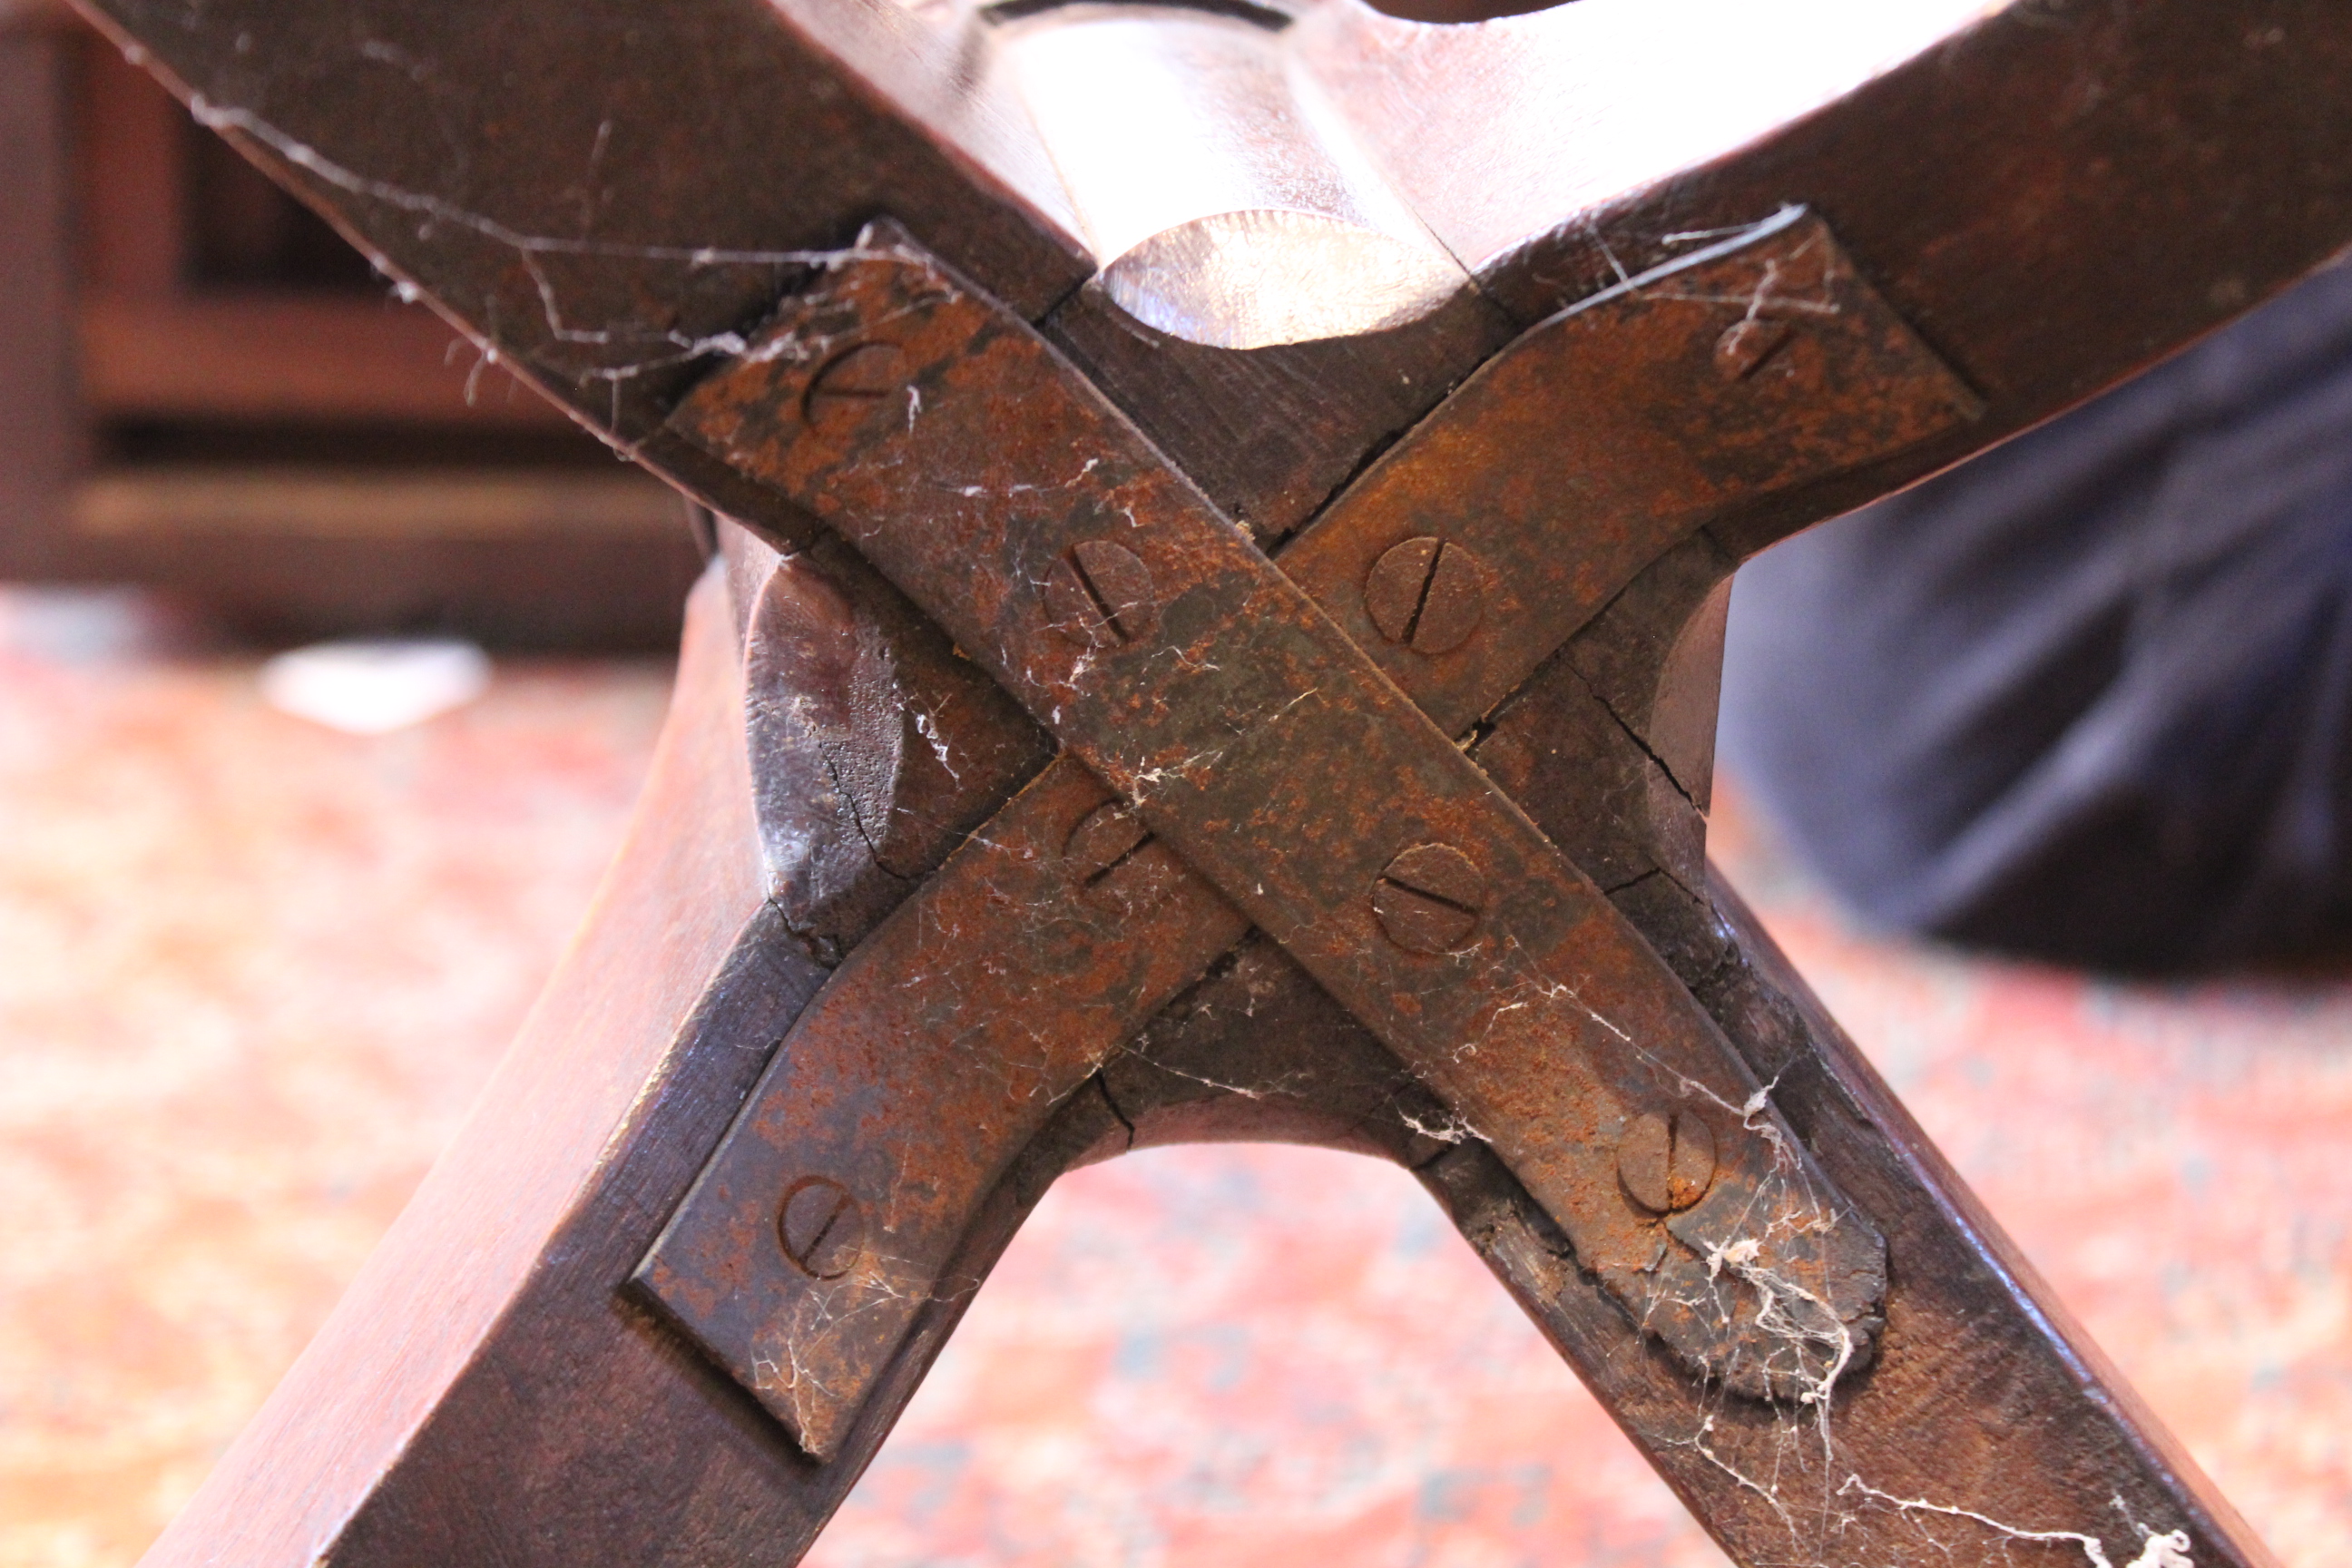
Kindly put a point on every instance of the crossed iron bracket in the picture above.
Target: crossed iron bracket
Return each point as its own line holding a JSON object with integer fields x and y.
{"x": 1286, "y": 728}
{"x": 1102, "y": 728}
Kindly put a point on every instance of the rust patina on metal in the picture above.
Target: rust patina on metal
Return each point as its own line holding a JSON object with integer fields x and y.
{"x": 1360, "y": 838}
{"x": 613, "y": 197}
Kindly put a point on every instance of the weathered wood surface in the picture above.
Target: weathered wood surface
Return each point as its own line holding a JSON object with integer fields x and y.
{"x": 2134, "y": 174}
{"x": 2050, "y": 196}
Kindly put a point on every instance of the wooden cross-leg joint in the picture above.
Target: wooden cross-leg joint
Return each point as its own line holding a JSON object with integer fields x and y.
{"x": 1130, "y": 707}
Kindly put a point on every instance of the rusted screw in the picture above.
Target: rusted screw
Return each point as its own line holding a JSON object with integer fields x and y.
{"x": 1666, "y": 1163}
{"x": 1746, "y": 344}
{"x": 1427, "y": 594}
{"x": 1101, "y": 594}
{"x": 821, "y": 1228}
{"x": 1430, "y": 899}
{"x": 850, "y": 384}
{"x": 1105, "y": 857}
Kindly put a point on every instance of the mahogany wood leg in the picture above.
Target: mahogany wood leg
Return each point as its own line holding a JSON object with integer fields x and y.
{"x": 483, "y": 1393}
{"x": 493, "y": 1390}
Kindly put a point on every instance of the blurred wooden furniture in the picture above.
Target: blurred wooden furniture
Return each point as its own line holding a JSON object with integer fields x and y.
{"x": 203, "y": 387}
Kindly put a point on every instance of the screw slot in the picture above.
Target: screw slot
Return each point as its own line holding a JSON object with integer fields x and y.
{"x": 821, "y": 1228}
{"x": 1666, "y": 1163}
{"x": 849, "y": 384}
{"x": 1101, "y": 594}
{"x": 1430, "y": 899}
{"x": 1107, "y": 857}
{"x": 1746, "y": 344}
{"x": 1427, "y": 594}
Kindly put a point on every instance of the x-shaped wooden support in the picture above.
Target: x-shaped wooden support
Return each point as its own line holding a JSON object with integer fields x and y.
{"x": 1224, "y": 705}
{"x": 1100, "y": 735}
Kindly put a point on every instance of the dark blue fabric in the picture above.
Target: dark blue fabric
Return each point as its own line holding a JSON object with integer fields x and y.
{"x": 2089, "y": 697}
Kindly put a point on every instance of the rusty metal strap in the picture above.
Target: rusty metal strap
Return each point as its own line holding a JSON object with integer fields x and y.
{"x": 956, "y": 450}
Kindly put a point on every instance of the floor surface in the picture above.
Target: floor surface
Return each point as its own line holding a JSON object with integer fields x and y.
{"x": 251, "y": 971}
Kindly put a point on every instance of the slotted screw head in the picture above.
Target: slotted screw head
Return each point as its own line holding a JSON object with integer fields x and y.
{"x": 1428, "y": 593}
{"x": 1745, "y": 345}
{"x": 850, "y": 383}
{"x": 1666, "y": 1163}
{"x": 821, "y": 1227}
{"x": 1106, "y": 856}
{"x": 1101, "y": 594}
{"x": 1430, "y": 899}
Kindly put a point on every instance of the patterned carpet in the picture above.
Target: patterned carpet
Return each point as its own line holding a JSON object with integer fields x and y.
{"x": 251, "y": 970}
